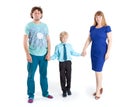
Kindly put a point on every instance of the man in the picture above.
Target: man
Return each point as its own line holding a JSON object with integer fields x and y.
{"x": 37, "y": 49}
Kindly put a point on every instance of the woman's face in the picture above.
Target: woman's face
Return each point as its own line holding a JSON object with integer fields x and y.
{"x": 98, "y": 19}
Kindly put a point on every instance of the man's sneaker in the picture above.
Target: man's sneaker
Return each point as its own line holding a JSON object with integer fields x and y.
{"x": 49, "y": 96}
{"x": 30, "y": 100}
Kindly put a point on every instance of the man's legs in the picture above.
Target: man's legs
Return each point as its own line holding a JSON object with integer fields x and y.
{"x": 31, "y": 67}
{"x": 43, "y": 75}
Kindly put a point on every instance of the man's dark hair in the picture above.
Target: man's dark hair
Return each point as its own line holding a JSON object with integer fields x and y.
{"x": 36, "y": 8}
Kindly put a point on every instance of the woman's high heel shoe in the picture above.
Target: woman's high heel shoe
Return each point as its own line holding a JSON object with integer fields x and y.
{"x": 97, "y": 97}
{"x": 101, "y": 91}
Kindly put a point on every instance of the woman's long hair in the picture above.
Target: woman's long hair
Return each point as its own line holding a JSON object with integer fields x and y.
{"x": 100, "y": 13}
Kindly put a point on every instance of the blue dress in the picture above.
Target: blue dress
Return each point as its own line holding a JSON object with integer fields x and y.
{"x": 99, "y": 46}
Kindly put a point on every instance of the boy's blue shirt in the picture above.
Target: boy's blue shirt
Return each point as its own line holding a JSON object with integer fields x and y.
{"x": 58, "y": 54}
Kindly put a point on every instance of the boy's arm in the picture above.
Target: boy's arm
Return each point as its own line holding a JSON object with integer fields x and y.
{"x": 74, "y": 53}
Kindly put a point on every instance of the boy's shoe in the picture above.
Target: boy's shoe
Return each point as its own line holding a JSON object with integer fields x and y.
{"x": 69, "y": 92}
{"x": 49, "y": 96}
{"x": 64, "y": 94}
{"x": 30, "y": 100}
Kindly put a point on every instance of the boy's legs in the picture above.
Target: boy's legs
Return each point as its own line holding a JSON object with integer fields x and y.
{"x": 62, "y": 77}
{"x": 68, "y": 76}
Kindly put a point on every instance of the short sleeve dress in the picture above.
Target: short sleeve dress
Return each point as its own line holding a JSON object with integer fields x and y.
{"x": 99, "y": 46}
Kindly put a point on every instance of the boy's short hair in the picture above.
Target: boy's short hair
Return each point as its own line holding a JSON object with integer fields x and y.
{"x": 64, "y": 33}
{"x": 36, "y": 8}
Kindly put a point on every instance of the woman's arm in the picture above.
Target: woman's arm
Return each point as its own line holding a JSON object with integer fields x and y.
{"x": 109, "y": 36}
{"x": 88, "y": 41}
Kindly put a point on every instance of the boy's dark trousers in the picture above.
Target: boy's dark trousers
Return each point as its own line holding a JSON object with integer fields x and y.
{"x": 65, "y": 75}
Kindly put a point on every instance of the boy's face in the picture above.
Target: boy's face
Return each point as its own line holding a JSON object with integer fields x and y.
{"x": 64, "y": 38}
{"x": 36, "y": 15}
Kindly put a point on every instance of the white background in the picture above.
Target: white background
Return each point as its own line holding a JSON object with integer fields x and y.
{"x": 75, "y": 17}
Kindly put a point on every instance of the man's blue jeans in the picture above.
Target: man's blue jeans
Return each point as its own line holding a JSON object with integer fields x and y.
{"x": 31, "y": 67}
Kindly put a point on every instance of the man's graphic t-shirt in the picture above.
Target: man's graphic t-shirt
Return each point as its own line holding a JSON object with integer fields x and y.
{"x": 37, "y": 34}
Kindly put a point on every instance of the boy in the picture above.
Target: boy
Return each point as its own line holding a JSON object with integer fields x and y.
{"x": 63, "y": 52}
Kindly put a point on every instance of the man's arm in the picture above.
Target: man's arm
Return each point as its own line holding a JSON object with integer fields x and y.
{"x": 25, "y": 44}
{"x": 49, "y": 48}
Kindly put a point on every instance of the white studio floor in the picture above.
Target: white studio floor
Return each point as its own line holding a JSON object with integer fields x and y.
{"x": 13, "y": 91}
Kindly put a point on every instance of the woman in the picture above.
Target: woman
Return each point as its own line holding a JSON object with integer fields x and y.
{"x": 100, "y": 49}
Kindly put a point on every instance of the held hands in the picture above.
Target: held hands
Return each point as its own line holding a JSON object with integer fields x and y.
{"x": 83, "y": 53}
{"x": 106, "y": 55}
{"x": 47, "y": 57}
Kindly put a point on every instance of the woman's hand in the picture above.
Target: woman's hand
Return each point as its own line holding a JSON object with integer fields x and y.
{"x": 83, "y": 53}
